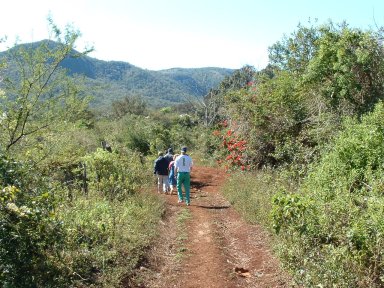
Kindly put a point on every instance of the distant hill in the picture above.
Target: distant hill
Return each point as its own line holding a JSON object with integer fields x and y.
{"x": 113, "y": 80}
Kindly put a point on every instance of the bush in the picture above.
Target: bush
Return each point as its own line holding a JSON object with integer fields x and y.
{"x": 114, "y": 175}
{"x": 107, "y": 240}
{"x": 251, "y": 194}
{"x": 47, "y": 240}
{"x": 340, "y": 239}
{"x": 30, "y": 233}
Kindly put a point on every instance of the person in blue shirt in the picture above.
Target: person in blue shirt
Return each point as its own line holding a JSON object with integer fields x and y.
{"x": 172, "y": 174}
{"x": 183, "y": 166}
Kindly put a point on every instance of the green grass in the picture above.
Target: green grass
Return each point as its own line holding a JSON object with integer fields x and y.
{"x": 182, "y": 233}
{"x": 107, "y": 240}
{"x": 250, "y": 193}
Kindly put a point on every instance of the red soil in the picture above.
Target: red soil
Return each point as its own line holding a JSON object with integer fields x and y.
{"x": 219, "y": 248}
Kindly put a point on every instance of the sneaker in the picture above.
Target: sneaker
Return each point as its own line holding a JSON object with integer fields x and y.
{"x": 180, "y": 201}
{"x": 187, "y": 203}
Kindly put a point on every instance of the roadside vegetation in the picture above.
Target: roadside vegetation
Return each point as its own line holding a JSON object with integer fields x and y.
{"x": 76, "y": 201}
{"x": 301, "y": 141}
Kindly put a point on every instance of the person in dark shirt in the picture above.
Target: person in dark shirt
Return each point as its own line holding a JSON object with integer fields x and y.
{"x": 169, "y": 155}
{"x": 161, "y": 170}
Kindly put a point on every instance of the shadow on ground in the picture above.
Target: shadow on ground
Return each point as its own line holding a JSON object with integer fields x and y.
{"x": 212, "y": 207}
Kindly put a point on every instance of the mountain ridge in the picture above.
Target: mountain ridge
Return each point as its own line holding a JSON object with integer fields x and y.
{"x": 109, "y": 81}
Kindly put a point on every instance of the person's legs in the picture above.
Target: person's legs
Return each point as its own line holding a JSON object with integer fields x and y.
{"x": 166, "y": 184}
{"x": 187, "y": 187}
{"x": 159, "y": 183}
{"x": 164, "y": 181}
{"x": 179, "y": 183}
{"x": 170, "y": 184}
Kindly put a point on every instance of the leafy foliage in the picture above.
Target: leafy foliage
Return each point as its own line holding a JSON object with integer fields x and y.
{"x": 307, "y": 121}
{"x": 39, "y": 98}
{"x": 348, "y": 65}
{"x": 107, "y": 240}
{"x": 287, "y": 112}
{"x": 129, "y": 105}
{"x": 336, "y": 216}
{"x": 53, "y": 232}
{"x": 114, "y": 175}
{"x": 304, "y": 124}
{"x": 30, "y": 231}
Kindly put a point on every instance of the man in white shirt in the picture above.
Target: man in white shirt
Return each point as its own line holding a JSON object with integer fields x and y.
{"x": 183, "y": 166}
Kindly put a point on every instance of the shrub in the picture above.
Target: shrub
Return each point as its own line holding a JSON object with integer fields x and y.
{"x": 114, "y": 175}
{"x": 106, "y": 239}
{"x": 341, "y": 240}
{"x": 30, "y": 232}
{"x": 251, "y": 194}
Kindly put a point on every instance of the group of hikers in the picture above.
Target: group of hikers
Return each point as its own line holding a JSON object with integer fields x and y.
{"x": 174, "y": 170}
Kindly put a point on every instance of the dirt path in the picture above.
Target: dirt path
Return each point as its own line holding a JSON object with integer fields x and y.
{"x": 208, "y": 245}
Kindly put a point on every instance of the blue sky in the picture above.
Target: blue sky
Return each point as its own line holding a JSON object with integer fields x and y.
{"x": 161, "y": 34}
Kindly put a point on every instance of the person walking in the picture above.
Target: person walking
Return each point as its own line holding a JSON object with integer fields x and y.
{"x": 172, "y": 174}
{"x": 183, "y": 166}
{"x": 169, "y": 155}
{"x": 161, "y": 170}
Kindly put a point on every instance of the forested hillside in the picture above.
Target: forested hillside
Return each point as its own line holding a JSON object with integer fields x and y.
{"x": 108, "y": 81}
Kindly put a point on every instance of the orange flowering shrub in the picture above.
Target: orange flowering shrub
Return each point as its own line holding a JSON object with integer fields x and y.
{"x": 232, "y": 148}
